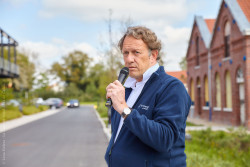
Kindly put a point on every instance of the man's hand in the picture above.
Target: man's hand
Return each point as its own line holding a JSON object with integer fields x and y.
{"x": 116, "y": 92}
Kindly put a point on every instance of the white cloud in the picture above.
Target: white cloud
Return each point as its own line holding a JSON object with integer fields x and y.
{"x": 95, "y": 10}
{"x": 175, "y": 43}
{"x": 49, "y": 53}
{"x": 17, "y": 2}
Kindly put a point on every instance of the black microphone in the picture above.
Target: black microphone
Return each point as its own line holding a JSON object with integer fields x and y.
{"x": 121, "y": 78}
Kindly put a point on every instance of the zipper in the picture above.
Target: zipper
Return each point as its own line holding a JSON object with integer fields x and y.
{"x": 110, "y": 151}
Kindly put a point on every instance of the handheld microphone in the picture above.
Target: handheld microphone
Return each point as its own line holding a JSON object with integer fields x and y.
{"x": 121, "y": 78}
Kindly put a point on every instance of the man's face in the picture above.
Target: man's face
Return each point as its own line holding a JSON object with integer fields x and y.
{"x": 136, "y": 57}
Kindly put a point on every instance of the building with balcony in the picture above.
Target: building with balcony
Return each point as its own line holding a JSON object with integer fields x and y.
{"x": 8, "y": 64}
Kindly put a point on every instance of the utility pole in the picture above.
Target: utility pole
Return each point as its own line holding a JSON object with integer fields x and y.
{"x": 111, "y": 62}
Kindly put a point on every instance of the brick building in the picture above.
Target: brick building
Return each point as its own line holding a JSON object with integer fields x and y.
{"x": 218, "y": 65}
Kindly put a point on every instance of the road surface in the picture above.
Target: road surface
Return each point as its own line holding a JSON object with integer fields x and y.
{"x": 69, "y": 138}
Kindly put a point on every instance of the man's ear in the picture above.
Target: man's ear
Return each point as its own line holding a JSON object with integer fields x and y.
{"x": 154, "y": 54}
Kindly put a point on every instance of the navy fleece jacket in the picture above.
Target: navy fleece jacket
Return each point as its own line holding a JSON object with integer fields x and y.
{"x": 154, "y": 133}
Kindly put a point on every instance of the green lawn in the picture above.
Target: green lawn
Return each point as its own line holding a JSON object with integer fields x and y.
{"x": 11, "y": 112}
{"x": 192, "y": 124}
{"x": 218, "y": 149}
{"x": 28, "y": 110}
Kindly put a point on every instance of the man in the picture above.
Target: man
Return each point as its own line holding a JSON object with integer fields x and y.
{"x": 148, "y": 117}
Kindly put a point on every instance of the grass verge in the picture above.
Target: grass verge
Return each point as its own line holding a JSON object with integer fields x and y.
{"x": 209, "y": 148}
{"x": 11, "y": 112}
{"x": 192, "y": 124}
{"x": 28, "y": 110}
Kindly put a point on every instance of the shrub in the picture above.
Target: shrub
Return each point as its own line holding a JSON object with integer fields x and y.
{"x": 102, "y": 109}
{"x": 8, "y": 114}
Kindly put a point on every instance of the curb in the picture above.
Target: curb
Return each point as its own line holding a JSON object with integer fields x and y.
{"x": 105, "y": 129}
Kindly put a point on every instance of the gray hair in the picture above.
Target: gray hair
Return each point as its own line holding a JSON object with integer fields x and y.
{"x": 145, "y": 34}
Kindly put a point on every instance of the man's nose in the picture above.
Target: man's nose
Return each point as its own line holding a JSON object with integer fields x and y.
{"x": 130, "y": 58}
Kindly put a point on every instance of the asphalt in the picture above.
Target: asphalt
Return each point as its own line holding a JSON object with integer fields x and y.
{"x": 58, "y": 138}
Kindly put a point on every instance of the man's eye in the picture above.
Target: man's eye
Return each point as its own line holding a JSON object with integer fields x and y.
{"x": 136, "y": 52}
{"x": 125, "y": 53}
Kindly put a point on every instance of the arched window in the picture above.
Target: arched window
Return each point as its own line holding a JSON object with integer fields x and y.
{"x": 198, "y": 83}
{"x": 206, "y": 91}
{"x": 228, "y": 90}
{"x": 197, "y": 51}
{"x": 192, "y": 91}
{"x": 218, "y": 90}
{"x": 227, "y": 39}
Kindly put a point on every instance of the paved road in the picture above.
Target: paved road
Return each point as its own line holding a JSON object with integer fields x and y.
{"x": 70, "y": 138}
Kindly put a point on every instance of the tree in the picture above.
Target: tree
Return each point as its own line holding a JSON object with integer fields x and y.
{"x": 26, "y": 72}
{"x": 100, "y": 78}
{"x": 183, "y": 63}
{"x": 42, "y": 81}
{"x": 73, "y": 69}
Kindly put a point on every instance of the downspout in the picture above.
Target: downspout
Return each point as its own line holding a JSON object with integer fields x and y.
{"x": 210, "y": 84}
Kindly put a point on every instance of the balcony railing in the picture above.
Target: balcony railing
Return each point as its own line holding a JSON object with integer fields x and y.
{"x": 8, "y": 68}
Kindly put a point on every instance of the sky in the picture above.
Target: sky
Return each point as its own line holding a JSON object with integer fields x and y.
{"x": 50, "y": 29}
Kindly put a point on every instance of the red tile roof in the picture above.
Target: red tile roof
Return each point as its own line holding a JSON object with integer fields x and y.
{"x": 210, "y": 24}
{"x": 245, "y": 6}
{"x": 181, "y": 75}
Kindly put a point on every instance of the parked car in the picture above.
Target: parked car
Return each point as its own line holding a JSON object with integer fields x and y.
{"x": 12, "y": 102}
{"x": 39, "y": 101}
{"x": 73, "y": 103}
{"x": 54, "y": 102}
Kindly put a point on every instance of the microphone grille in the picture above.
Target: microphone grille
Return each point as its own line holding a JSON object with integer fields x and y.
{"x": 124, "y": 70}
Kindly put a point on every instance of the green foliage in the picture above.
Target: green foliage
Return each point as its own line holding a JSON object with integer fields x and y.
{"x": 9, "y": 113}
{"x": 43, "y": 108}
{"x": 6, "y": 93}
{"x": 183, "y": 63}
{"x": 102, "y": 110}
{"x": 43, "y": 82}
{"x": 218, "y": 149}
{"x": 73, "y": 69}
{"x": 192, "y": 124}
{"x": 45, "y": 94}
{"x": 91, "y": 92}
{"x": 26, "y": 70}
{"x": 28, "y": 110}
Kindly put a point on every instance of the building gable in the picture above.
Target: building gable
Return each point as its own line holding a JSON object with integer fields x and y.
{"x": 230, "y": 11}
{"x": 240, "y": 11}
{"x": 224, "y": 17}
{"x": 200, "y": 29}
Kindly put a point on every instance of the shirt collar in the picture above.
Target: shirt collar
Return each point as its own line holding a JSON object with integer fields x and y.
{"x": 131, "y": 82}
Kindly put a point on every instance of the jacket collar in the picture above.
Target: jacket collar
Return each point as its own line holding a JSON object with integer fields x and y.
{"x": 131, "y": 82}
